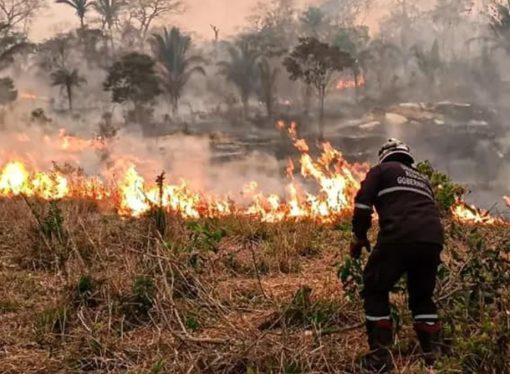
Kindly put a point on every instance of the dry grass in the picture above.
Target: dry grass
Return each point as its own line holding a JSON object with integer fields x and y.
{"x": 109, "y": 295}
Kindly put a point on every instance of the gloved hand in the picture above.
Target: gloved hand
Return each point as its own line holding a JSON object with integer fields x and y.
{"x": 357, "y": 246}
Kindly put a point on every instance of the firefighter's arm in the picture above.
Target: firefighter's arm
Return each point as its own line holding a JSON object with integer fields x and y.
{"x": 363, "y": 209}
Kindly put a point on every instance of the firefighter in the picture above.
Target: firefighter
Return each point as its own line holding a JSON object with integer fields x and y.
{"x": 410, "y": 242}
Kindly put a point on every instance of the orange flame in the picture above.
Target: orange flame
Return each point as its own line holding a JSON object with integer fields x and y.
{"x": 320, "y": 189}
{"x": 470, "y": 214}
{"x": 351, "y": 83}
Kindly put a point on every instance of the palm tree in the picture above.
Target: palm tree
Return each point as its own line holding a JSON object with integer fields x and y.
{"x": 241, "y": 71}
{"x": 80, "y": 6}
{"x": 176, "y": 65}
{"x": 68, "y": 80}
{"x": 109, "y": 11}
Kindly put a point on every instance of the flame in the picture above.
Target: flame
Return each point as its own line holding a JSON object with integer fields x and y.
{"x": 470, "y": 214}
{"x": 350, "y": 83}
{"x": 320, "y": 189}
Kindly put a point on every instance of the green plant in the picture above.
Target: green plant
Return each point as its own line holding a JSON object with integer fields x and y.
{"x": 51, "y": 225}
{"x": 192, "y": 322}
{"x": 204, "y": 237}
{"x": 302, "y": 312}
{"x": 50, "y": 321}
{"x": 84, "y": 290}
{"x": 446, "y": 192}
{"x": 137, "y": 305}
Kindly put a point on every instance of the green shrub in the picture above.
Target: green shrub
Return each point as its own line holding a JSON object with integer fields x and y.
{"x": 445, "y": 190}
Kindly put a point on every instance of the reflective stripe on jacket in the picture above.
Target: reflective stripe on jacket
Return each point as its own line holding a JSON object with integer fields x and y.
{"x": 404, "y": 202}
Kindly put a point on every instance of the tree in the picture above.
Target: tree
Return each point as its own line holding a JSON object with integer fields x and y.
{"x": 109, "y": 10}
{"x": 313, "y": 22}
{"x": 80, "y": 6}
{"x": 11, "y": 43}
{"x": 353, "y": 40}
{"x": 241, "y": 71}
{"x": 500, "y": 24}
{"x": 345, "y": 12}
{"x": 274, "y": 23}
{"x": 8, "y": 92}
{"x": 268, "y": 76}
{"x": 19, "y": 12}
{"x": 145, "y": 12}
{"x": 315, "y": 63}
{"x": 429, "y": 62}
{"x": 447, "y": 16}
{"x": 381, "y": 57}
{"x": 172, "y": 50}
{"x": 67, "y": 80}
{"x": 133, "y": 79}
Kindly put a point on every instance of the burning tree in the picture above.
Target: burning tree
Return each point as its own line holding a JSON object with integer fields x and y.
{"x": 315, "y": 63}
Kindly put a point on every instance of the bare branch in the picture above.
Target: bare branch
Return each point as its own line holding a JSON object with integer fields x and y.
{"x": 146, "y": 12}
{"x": 16, "y": 12}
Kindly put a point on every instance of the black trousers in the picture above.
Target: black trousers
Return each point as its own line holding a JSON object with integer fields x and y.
{"x": 387, "y": 264}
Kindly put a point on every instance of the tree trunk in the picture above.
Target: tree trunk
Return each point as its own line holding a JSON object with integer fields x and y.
{"x": 82, "y": 22}
{"x": 322, "y": 97}
{"x": 307, "y": 98}
{"x": 69, "y": 90}
{"x": 269, "y": 104}
{"x": 245, "y": 101}
{"x": 175, "y": 105}
{"x": 356, "y": 83}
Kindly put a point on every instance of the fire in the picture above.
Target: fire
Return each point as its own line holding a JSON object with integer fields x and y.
{"x": 351, "y": 83}
{"x": 471, "y": 214}
{"x": 320, "y": 188}
{"x": 16, "y": 180}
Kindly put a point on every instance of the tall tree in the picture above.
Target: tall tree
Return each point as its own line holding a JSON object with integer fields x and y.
{"x": 11, "y": 43}
{"x": 500, "y": 24}
{"x": 241, "y": 70}
{"x": 353, "y": 40}
{"x": 275, "y": 21}
{"x": 19, "y": 12}
{"x": 381, "y": 58}
{"x": 133, "y": 79}
{"x": 313, "y": 22}
{"x": 176, "y": 65}
{"x": 8, "y": 92}
{"x": 146, "y": 12}
{"x": 447, "y": 17}
{"x": 345, "y": 12}
{"x": 109, "y": 10}
{"x": 80, "y": 6}
{"x": 429, "y": 62}
{"x": 268, "y": 80}
{"x": 67, "y": 80}
{"x": 315, "y": 63}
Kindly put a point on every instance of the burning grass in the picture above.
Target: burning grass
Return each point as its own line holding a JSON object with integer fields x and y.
{"x": 83, "y": 291}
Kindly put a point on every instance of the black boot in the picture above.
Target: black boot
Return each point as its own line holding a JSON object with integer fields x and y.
{"x": 380, "y": 340}
{"x": 429, "y": 336}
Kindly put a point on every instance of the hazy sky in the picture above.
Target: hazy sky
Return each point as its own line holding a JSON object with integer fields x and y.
{"x": 227, "y": 14}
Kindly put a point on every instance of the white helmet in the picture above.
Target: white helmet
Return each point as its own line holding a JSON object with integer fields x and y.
{"x": 395, "y": 147}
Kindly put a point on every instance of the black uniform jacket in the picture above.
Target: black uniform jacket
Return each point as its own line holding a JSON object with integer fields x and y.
{"x": 404, "y": 202}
